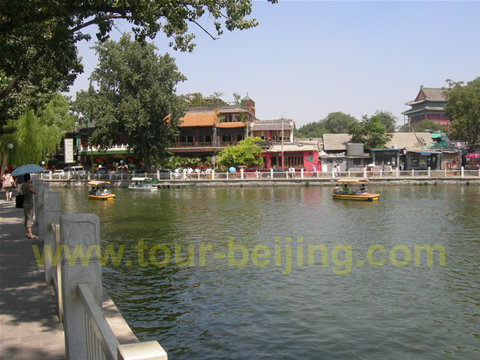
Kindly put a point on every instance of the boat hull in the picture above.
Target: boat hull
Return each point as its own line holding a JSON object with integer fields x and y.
{"x": 102, "y": 197}
{"x": 361, "y": 197}
{"x": 143, "y": 188}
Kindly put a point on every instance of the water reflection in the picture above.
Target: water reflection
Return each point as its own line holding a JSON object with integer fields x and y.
{"x": 220, "y": 311}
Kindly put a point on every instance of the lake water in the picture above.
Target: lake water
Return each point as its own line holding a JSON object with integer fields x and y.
{"x": 289, "y": 273}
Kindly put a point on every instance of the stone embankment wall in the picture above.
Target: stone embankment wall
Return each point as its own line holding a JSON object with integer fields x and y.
{"x": 276, "y": 182}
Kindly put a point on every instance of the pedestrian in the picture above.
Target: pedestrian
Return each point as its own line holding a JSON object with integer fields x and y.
{"x": 7, "y": 185}
{"x": 314, "y": 171}
{"x": 28, "y": 191}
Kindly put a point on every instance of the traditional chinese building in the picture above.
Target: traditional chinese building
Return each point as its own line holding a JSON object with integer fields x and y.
{"x": 428, "y": 105}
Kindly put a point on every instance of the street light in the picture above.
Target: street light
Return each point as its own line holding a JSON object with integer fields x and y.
{"x": 10, "y": 147}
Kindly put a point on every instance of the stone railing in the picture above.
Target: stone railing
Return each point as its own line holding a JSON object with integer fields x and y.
{"x": 74, "y": 269}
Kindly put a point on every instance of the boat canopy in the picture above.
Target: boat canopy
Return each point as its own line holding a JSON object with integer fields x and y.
{"x": 97, "y": 182}
{"x": 351, "y": 181}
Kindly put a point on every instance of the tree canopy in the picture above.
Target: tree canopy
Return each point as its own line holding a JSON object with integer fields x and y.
{"x": 387, "y": 119}
{"x": 38, "y": 38}
{"x": 34, "y": 134}
{"x": 136, "y": 96}
{"x": 371, "y": 132}
{"x": 246, "y": 152}
{"x": 463, "y": 110}
{"x": 335, "y": 123}
{"x": 428, "y": 125}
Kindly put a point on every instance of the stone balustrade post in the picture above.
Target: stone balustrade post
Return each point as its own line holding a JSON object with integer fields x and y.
{"x": 78, "y": 232}
{"x": 51, "y": 209}
{"x": 463, "y": 172}
{"x": 42, "y": 188}
{"x": 213, "y": 174}
{"x": 301, "y": 173}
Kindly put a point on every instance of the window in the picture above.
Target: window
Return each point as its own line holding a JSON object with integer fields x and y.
{"x": 309, "y": 158}
{"x": 239, "y": 137}
{"x": 226, "y": 138}
{"x": 415, "y": 159}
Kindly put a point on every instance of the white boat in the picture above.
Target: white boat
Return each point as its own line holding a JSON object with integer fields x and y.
{"x": 142, "y": 184}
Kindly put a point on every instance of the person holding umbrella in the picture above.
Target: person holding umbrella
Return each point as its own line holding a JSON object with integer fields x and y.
{"x": 28, "y": 191}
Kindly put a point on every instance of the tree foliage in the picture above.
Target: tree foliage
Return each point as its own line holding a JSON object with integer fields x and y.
{"x": 37, "y": 133}
{"x": 371, "y": 132}
{"x": 463, "y": 109}
{"x": 38, "y": 38}
{"x": 246, "y": 152}
{"x": 335, "y": 123}
{"x": 428, "y": 125}
{"x": 136, "y": 96}
{"x": 387, "y": 119}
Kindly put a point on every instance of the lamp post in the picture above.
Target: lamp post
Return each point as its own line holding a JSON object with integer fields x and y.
{"x": 10, "y": 147}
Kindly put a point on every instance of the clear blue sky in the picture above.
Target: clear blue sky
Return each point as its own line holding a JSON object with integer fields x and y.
{"x": 309, "y": 58}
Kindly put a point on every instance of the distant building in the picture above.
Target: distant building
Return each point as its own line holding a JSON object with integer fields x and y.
{"x": 428, "y": 105}
{"x": 271, "y": 130}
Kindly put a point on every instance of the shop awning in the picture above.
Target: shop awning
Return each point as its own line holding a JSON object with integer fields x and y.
{"x": 425, "y": 153}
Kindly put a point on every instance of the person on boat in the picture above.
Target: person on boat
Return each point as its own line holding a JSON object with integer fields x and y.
{"x": 93, "y": 191}
{"x": 363, "y": 189}
{"x": 337, "y": 190}
{"x": 345, "y": 189}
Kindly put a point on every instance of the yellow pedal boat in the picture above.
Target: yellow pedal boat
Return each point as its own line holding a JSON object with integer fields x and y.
{"x": 100, "y": 194}
{"x": 361, "y": 194}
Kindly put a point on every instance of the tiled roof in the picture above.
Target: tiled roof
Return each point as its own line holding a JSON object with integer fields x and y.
{"x": 338, "y": 142}
{"x": 426, "y": 108}
{"x": 429, "y": 94}
{"x": 230, "y": 125}
{"x": 262, "y": 125}
{"x": 292, "y": 148}
{"x": 403, "y": 140}
{"x": 199, "y": 118}
{"x": 232, "y": 110}
{"x": 335, "y": 142}
{"x": 434, "y": 94}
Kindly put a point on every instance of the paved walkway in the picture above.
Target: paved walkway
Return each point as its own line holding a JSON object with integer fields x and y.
{"x": 29, "y": 326}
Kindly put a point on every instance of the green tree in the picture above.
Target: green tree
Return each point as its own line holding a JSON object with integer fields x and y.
{"x": 38, "y": 38}
{"x": 136, "y": 95}
{"x": 428, "y": 125}
{"x": 463, "y": 109}
{"x": 371, "y": 132}
{"x": 236, "y": 98}
{"x": 246, "y": 152}
{"x": 335, "y": 123}
{"x": 217, "y": 97}
{"x": 36, "y": 134}
{"x": 387, "y": 119}
{"x": 312, "y": 130}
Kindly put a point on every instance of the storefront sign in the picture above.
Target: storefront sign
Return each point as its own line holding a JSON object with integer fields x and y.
{"x": 68, "y": 152}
